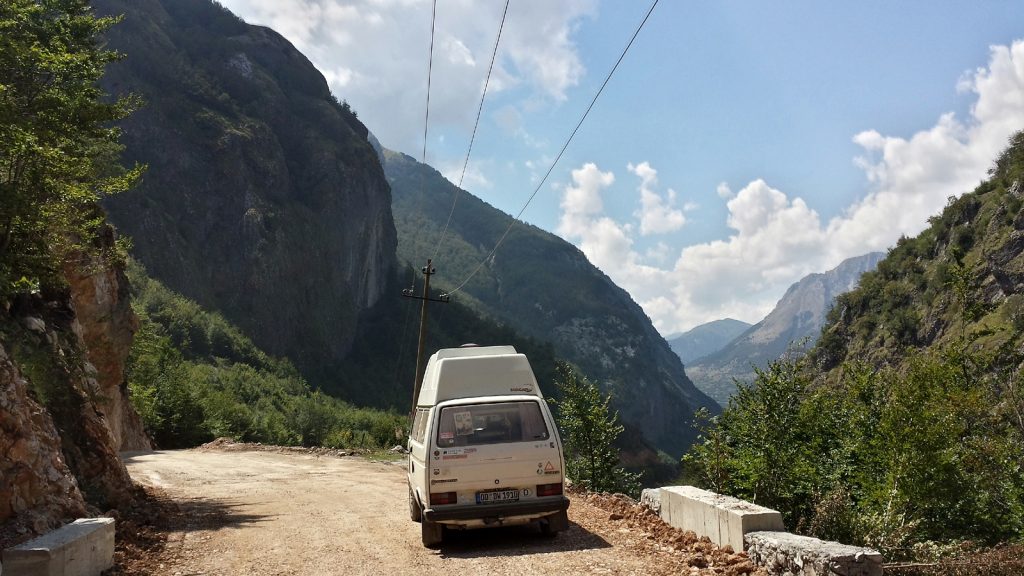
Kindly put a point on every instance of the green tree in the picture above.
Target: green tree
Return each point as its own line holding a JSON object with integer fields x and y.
{"x": 589, "y": 429}
{"x": 162, "y": 392}
{"x": 58, "y": 148}
{"x": 758, "y": 449}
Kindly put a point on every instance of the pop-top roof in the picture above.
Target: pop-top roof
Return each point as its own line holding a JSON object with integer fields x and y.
{"x": 469, "y": 372}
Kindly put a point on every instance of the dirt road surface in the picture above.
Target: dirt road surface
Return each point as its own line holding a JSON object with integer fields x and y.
{"x": 268, "y": 513}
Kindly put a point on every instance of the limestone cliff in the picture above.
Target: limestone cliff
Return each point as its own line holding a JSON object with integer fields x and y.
{"x": 263, "y": 199}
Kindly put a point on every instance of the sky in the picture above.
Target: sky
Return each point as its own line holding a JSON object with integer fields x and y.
{"x": 738, "y": 147}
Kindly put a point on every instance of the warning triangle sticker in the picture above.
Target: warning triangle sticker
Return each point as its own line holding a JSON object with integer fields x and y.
{"x": 548, "y": 467}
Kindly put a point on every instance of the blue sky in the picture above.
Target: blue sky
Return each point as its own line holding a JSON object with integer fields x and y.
{"x": 739, "y": 147}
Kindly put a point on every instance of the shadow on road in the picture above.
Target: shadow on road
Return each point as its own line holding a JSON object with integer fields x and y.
{"x": 209, "y": 514}
{"x": 516, "y": 541}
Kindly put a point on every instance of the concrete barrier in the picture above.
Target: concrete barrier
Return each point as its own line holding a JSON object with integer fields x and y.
{"x": 723, "y": 519}
{"x": 83, "y": 548}
{"x": 785, "y": 553}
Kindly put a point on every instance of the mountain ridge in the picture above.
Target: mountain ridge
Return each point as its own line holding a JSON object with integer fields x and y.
{"x": 796, "y": 321}
{"x": 706, "y": 339}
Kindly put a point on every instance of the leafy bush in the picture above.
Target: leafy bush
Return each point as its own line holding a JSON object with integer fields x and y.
{"x": 884, "y": 458}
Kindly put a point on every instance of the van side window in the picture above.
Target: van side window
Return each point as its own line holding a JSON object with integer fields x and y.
{"x": 498, "y": 423}
{"x": 419, "y": 425}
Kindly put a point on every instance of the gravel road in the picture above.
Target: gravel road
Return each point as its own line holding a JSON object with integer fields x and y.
{"x": 282, "y": 513}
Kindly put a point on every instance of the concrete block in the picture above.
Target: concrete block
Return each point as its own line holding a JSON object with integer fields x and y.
{"x": 785, "y": 553}
{"x": 83, "y": 548}
{"x": 723, "y": 519}
{"x": 651, "y": 498}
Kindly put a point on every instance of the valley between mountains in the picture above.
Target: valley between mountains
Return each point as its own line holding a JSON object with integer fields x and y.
{"x": 203, "y": 255}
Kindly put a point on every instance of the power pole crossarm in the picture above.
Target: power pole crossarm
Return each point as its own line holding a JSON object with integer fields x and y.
{"x": 428, "y": 271}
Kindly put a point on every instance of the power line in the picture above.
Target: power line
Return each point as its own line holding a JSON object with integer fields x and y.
{"x": 479, "y": 110}
{"x": 426, "y": 124}
{"x": 430, "y": 71}
{"x": 560, "y": 152}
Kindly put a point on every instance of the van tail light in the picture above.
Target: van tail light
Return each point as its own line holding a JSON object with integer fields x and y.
{"x": 443, "y": 498}
{"x": 549, "y": 489}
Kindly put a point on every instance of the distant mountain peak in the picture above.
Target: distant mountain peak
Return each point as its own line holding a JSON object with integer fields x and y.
{"x": 796, "y": 320}
{"x": 706, "y": 339}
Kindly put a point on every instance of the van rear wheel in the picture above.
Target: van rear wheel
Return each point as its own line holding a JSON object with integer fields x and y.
{"x": 554, "y": 524}
{"x": 431, "y": 532}
{"x": 414, "y": 507}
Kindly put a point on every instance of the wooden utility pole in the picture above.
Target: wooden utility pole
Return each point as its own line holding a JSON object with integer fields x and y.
{"x": 428, "y": 271}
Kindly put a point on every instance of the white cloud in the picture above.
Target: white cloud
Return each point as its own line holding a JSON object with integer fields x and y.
{"x": 657, "y": 214}
{"x": 583, "y": 199}
{"x": 723, "y": 191}
{"x": 374, "y": 53}
{"x": 912, "y": 178}
{"x": 475, "y": 177}
{"x": 659, "y": 253}
{"x": 777, "y": 239}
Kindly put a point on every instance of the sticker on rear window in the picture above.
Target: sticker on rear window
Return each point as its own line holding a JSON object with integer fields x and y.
{"x": 446, "y": 435}
{"x": 463, "y": 423}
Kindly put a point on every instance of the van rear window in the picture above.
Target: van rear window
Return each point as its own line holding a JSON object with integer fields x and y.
{"x": 498, "y": 423}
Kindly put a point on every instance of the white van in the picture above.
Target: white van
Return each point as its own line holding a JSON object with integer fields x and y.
{"x": 483, "y": 449}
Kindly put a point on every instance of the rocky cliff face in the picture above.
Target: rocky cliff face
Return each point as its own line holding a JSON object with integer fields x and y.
{"x": 105, "y": 322}
{"x": 59, "y": 456}
{"x": 796, "y": 320}
{"x": 263, "y": 199}
{"x": 960, "y": 281}
{"x": 38, "y": 489}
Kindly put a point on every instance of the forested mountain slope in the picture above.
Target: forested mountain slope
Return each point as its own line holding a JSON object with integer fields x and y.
{"x": 546, "y": 288}
{"x": 264, "y": 201}
{"x": 962, "y": 278}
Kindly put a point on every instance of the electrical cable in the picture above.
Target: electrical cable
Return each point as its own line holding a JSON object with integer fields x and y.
{"x": 430, "y": 72}
{"x": 560, "y": 153}
{"x": 476, "y": 124}
{"x": 426, "y": 124}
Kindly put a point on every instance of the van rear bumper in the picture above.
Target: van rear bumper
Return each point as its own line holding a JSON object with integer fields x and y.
{"x": 481, "y": 511}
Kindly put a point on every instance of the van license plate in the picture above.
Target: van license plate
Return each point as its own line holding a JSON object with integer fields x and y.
{"x": 498, "y": 496}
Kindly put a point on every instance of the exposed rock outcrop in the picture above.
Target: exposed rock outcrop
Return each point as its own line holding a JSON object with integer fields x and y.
{"x": 106, "y": 323}
{"x": 37, "y": 491}
{"x": 60, "y": 457}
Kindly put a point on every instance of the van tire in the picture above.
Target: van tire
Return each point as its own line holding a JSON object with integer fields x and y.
{"x": 432, "y": 533}
{"x": 554, "y": 524}
{"x": 414, "y": 507}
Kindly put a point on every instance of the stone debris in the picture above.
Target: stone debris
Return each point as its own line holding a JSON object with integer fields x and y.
{"x": 692, "y": 554}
